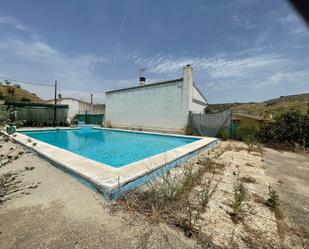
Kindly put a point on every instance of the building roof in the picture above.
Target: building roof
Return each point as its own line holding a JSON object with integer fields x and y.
{"x": 43, "y": 105}
{"x": 71, "y": 98}
{"x": 146, "y": 85}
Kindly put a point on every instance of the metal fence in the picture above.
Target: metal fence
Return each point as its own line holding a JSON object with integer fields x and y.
{"x": 211, "y": 124}
{"x": 90, "y": 118}
{"x": 38, "y": 114}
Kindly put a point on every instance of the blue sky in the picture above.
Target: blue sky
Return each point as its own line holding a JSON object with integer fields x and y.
{"x": 241, "y": 50}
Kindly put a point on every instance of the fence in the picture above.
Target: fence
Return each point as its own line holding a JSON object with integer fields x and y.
{"x": 211, "y": 124}
{"x": 90, "y": 118}
{"x": 38, "y": 114}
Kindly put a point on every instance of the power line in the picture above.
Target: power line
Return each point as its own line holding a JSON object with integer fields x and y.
{"x": 27, "y": 82}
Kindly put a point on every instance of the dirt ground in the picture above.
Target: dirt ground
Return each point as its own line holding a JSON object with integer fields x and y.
{"x": 42, "y": 207}
{"x": 292, "y": 171}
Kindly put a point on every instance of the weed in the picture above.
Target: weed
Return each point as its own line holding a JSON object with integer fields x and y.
{"x": 108, "y": 123}
{"x": 224, "y": 134}
{"x": 170, "y": 198}
{"x": 188, "y": 130}
{"x": 204, "y": 195}
{"x": 239, "y": 195}
{"x": 205, "y": 192}
{"x": 273, "y": 200}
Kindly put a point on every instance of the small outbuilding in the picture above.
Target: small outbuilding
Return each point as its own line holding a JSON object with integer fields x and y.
{"x": 82, "y": 111}
{"x": 162, "y": 106}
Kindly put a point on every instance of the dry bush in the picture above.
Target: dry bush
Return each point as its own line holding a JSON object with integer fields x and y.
{"x": 176, "y": 198}
{"x": 239, "y": 195}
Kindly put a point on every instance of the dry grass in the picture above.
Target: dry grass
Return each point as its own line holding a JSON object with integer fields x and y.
{"x": 19, "y": 94}
{"x": 177, "y": 198}
{"x": 275, "y": 106}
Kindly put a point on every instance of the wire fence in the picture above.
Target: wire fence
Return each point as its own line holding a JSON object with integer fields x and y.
{"x": 211, "y": 124}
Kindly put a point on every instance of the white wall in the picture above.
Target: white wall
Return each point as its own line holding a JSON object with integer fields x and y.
{"x": 151, "y": 107}
{"x": 73, "y": 106}
{"x": 158, "y": 107}
{"x": 79, "y": 107}
{"x": 197, "y": 97}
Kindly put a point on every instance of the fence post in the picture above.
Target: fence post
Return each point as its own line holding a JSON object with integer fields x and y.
{"x": 55, "y": 109}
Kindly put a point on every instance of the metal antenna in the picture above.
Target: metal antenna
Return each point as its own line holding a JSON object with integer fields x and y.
{"x": 141, "y": 71}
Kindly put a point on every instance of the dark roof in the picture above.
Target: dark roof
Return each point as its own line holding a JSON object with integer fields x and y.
{"x": 21, "y": 104}
{"x": 146, "y": 85}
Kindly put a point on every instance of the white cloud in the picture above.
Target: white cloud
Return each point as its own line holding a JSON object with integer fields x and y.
{"x": 224, "y": 66}
{"x": 31, "y": 60}
{"x": 291, "y": 22}
{"x": 13, "y": 22}
{"x": 248, "y": 69}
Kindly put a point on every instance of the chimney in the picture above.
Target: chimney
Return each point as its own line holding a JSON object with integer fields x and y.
{"x": 187, "y": 87}
{"x": 91, "y": 98}
{"x": 59, "y": 96}
{"x": 142, "y": 81}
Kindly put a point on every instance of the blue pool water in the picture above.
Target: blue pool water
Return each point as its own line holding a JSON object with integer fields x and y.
{"x": 115, "y": 148}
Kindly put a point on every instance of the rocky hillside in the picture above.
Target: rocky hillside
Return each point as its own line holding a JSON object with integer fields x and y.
{"x": 277, "y": 106}
{"x": 17, "y": 93}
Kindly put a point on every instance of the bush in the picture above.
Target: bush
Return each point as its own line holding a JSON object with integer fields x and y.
{"x": 25, "y": 99}
{"x": 289, "y": 128}
{"x": 248, "y": 134}
{"x": 188, "y": 130}
{"x": 224, "y": 134}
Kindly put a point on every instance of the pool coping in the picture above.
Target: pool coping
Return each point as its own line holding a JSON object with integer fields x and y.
{"x": 104, "y": 177}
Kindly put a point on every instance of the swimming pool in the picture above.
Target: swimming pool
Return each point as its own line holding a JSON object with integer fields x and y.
{"x": 112, "y": 161}
{"x": 111, "y": 147}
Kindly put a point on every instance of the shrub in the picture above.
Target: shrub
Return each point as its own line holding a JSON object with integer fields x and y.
{"x": 273, "y": 200}
{"x": 188, "y": 130}
{"x": 223, "y": 133}
{"x": 25, "y": 99}
{"x": 248, "y": 134}
{"x": 239, "y": 196}
{"x": 289, "y": 128}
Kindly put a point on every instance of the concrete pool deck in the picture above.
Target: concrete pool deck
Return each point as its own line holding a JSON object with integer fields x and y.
{"x": 107, "y": 179}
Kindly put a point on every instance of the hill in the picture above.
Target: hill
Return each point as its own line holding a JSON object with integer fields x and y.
{"x": 19, "y": 94}
{"x": 277, "y": 106}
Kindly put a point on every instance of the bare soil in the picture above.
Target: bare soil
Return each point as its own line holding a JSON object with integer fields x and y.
{"x": 43, "y": 207}
{"x": 292, "y": 173}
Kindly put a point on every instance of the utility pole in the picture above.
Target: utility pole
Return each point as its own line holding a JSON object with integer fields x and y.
{"x": 55, "y": 110}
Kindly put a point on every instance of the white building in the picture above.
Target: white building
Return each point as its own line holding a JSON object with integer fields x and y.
{"x": 77, "y": 106}
{"x": 162, "y": 106}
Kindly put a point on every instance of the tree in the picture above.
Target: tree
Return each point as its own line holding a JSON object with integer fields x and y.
{"x": 11, "y": 91}
{"x": 7, "y": 82}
